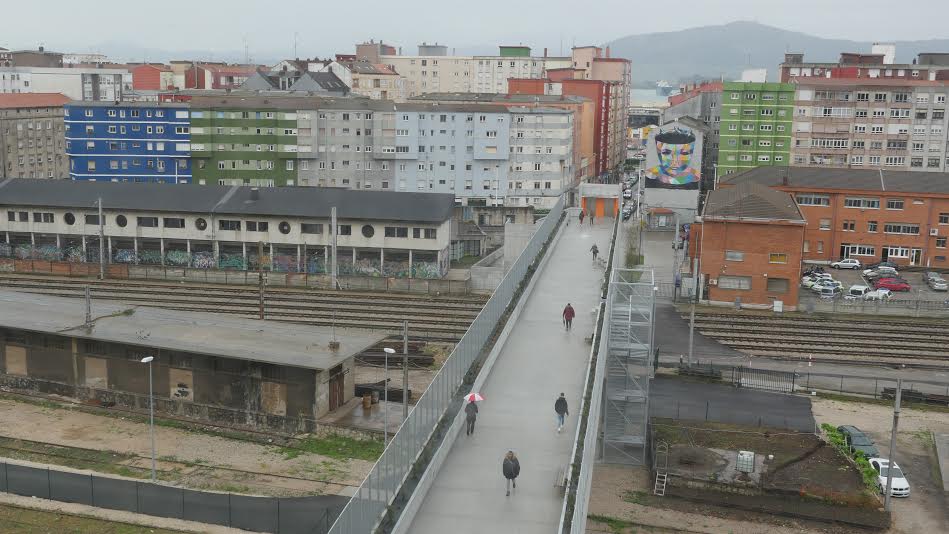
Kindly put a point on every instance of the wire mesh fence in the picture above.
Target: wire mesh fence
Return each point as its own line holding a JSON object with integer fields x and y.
{"x": 405, "y": 452}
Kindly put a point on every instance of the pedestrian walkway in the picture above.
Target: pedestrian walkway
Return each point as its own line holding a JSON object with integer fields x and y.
{"x": 538, "y": 362}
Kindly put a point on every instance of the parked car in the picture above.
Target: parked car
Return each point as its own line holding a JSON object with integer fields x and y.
{"x": 899, "y": 486}
{"x": 821, "y": 284}
{"x": 879, "y": 271}
{"x": 848, "y": 263}
{"x": 856, "y": 292}
{"x": 883, "y": 264}
{"x": 829, "y": 292}
{"x": 628, "y": 194}
{"x": 858, "y": 441}
{"x": 878, "y": 294}
{"x": 893, "y": 284}
{"x": 937, "y": 284}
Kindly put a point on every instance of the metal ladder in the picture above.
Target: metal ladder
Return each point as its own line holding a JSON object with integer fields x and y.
{"x": 660, "y": 487}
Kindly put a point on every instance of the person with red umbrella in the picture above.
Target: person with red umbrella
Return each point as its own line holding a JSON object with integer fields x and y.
{"x": 471, "y": 411}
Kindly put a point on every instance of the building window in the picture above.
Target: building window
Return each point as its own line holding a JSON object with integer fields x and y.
{"x": 941, "y": 242}
{"x": 225, "y": 224}
{"x": 901, "y": 228}
{"x": 944, "y": 218}
{"x": 344, "y": 229}
{"x": 850, "y": 226}
{"x": 311, "y": 228}
{"x": 396, "y": 231}
{"x": 825, "y": 224}
{"x": 734, "y": 282}
{"x": 777, "y": 257}
{"x": 256, "y": 226}
{"x": 148, "y": 222}
{"x": 174, "y": 222}
{"x": 871, "y": 226}
{"x": 811, "y": 199}
{"x": 894, "y": 203}
{"x": 778, "y": 285}
{"x": 862, "y": 203}
{"x": 734, "y": 255}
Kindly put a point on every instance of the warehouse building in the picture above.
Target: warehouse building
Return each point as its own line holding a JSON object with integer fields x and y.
{"x": 206, "y": 366}
{"x": 379, "y": 233}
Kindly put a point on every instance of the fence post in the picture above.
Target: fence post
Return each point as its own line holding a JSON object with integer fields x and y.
{"x": 876, "y": 383}
{"x": 278, "y": 506}
{"x": 228, "y": 509}
{"x": 706, "y": 410}
{"x": 677, "y": 410}
{"x": 49, "y": 484}
{"x": 841, "y": 390}
{"x": 92, "y": 490}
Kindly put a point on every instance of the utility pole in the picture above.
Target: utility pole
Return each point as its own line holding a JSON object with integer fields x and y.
{"x": 405, "y": 370}
{"x": 896, "y": 422}
{"x": 260, "y": 275}
{"x": 695, "y": 297}
{"x": 88, "y": 307}
{"x": 334, "y": 271}
{"x": 101, "y": 241}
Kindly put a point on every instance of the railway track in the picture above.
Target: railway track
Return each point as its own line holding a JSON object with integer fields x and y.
{"x": 430, "y": 318}
{"x": 900, "y": 342}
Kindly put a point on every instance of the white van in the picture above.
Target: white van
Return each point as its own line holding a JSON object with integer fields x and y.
{"x": 856, "y": 292}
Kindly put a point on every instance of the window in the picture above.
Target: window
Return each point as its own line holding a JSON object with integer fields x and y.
{"x": 825, "y": 224}
{"x": 944, "y": 218}
{"x": 148, "y": 222}
{"x": 901, "y": 228}
{"x": 174, "y": 222}
{"x": 396, "y": 231}
{"x": 849, "y": 226}
{"x": 734, "y": 255}
{"x": 289, "y": 164}
{"x": 256, "y": 226}
{"x": 811, "y": 199}
{"x": 777, "y": 257}
{"x": 941, "y": 242}
{"x": 344, "y": 229}
{"x": 894, "y": 203}
{"x": 897, "y": 252}
{"x": 734, "y": 282}
{"x": 225, "y": 224}
{"x": 861, "y": 202}
{"x": 311, "y": 228}
{"x": 778, "y": 285}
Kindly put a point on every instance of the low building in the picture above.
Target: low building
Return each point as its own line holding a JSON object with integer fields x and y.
{"x": 105, "y": 83}
{"x": 206, "y": 366}
{"x": 748, "y": 244}
{"x": 870, "y": 215}
{"x": 128, "y": 141}
{"x": 221, "y": 227}
{"x": 31, "y": 135}
{"x": 152, "y": 77}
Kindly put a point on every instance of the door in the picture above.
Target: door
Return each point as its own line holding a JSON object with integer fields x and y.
{"x": 885, "y": 253}
{"x": 916, "y": 256}
{"x": 844, "y": 251}
{"x": 663, "y": 220}
{"x": 336, "y": 387}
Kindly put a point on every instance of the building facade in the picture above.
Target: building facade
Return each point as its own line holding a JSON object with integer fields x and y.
{"x": 152, "y": 77}
{"x": 78, "y": 83}
{"x": 879, "y": 64}
{"x": 31, "y": 136}
{"x": 756, "y": 126}
{"x": 128, "y": 142}
{"x": 872, "y": 215}
{"x": 871, "y": 123}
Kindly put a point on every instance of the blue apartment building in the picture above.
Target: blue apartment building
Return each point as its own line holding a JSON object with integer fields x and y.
{"x": 128, "y": 141}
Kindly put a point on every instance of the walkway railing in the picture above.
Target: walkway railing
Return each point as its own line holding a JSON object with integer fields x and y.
{"x": 408, "y": 451}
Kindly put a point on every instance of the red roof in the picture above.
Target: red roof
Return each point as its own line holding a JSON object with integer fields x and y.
{"x": 660, "y": 211}
{"x": 32, "y": 100}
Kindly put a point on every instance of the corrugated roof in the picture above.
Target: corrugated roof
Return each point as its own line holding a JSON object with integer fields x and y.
{"x": 32, "y": 100}
{"x": 304, "y": 346}
{"x": 844, "y": 179}
{"x": 751, "y": 201}
{"x": 316, "y": 202}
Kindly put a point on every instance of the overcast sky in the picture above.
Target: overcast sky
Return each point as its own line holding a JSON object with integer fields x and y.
{"x": 327, "y": 26}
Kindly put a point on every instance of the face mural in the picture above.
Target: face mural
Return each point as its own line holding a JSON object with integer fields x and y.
{"x": 674, "y": 163}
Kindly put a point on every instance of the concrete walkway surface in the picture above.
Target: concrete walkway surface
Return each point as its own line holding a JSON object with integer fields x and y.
{"x": 537, "y": 362}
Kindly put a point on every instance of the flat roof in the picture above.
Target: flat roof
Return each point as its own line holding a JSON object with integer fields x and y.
{"x": 814, "y": 178}
{"x": 277, "y": 343}
{"x": 125, "y": 104}
{"x": 32, "y": 100}
{"x": 316, "y": 202}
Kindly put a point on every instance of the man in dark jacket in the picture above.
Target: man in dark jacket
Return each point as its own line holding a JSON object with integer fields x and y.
{"x": 510, "y": 467}
{"x": 471, "y": 414}
{"x": 568, "y": 315}
{"x": 560, "y": 406}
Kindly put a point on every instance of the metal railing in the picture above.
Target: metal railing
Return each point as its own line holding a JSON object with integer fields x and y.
{"x": 403, "y": 456}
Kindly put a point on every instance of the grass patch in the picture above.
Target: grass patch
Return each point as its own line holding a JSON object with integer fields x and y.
{"x": 617, "y": 526}
{"x": 337, "y": 447}
{"x": 17, "y": 520}
{"x": 883, "y": 402}
{"x": 839, "y": 443}
{"x": 636, "y": 497}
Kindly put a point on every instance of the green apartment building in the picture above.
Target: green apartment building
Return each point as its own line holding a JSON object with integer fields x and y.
{"x": 243, "y": 144}
{"x": 755, "y": 129}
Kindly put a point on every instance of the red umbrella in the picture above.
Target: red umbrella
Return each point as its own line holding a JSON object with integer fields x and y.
{"x": 474, "y": 397}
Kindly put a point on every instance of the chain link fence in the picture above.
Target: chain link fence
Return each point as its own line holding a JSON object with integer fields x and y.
{"x": 407, "y": 453}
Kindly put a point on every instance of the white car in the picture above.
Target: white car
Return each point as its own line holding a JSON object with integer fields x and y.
{"x": 878, "y": 294}
{"x": 856, "y": 292}
{"x": 881, "y": 271}
{"x": 899, "y": 486}
{"x": 848, "y": 263}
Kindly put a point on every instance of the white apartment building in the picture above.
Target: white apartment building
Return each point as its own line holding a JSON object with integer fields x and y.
{"x": 541, "y": 155}
{"x": 76, "y": 83}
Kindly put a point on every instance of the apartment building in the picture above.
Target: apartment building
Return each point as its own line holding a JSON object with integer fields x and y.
{"x": 878, "y": 64}
{"x": 872, "y": 215}
{"x": 31, "y": 136}
{"x": 128, "y": 142}
{"x": 152, "y": 77}
{"x": 701, "y": 102}
{"x": 870, "y": 123}
{"x": 78, "y": 83}
{"x": 376, "y": 81}
{"x": 756, "y": 125}
{"x": 541, "y": 162}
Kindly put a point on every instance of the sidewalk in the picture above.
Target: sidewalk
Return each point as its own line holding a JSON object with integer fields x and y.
{"x": 538, "y": 362}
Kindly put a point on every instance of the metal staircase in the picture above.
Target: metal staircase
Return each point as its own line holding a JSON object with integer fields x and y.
{"x": 660, "y": 487}
{"x": 662, "y": 468}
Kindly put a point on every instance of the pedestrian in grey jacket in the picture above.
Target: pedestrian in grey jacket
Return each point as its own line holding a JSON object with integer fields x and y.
{"x": 471, "y": 414}
{"x": 511, "y": 468}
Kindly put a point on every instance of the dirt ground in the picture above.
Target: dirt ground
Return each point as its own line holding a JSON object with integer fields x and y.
{"x": 927, "y": 508}
{"x": 190, "y": 459}
{"x": 625, "y": 494}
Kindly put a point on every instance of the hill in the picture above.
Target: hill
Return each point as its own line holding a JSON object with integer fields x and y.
{"x": 725, "y": 50}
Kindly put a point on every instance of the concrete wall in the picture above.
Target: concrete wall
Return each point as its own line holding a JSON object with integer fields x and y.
{"x": 516, "y": 237}
{"x": 487, "y": 274}
{"x": 683, "y": 202}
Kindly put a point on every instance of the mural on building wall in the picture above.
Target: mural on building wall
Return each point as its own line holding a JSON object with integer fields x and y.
{"x": 674, "y": 157}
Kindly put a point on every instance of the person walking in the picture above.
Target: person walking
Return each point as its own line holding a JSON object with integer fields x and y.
{"x": 510, "y": 467}
{"x": 560, "y": 406}
{"x": 568, "y": 315}
{"x": 471, "y": 415}
{"x": 595, "y": 250}
{"x": 592, "y": 216}
{"x": 581, "y": 217}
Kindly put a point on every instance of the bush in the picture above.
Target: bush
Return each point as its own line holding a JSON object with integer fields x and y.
{"x": 839, "y": 443}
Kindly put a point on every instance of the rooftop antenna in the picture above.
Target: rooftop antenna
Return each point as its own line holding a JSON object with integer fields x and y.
{"x": 295, "y": 40}
{"x": 246, "y": 51}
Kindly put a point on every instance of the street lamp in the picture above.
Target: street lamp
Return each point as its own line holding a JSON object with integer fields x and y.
{"x": 151, "y": 410}
{"x": 385, "y": 409}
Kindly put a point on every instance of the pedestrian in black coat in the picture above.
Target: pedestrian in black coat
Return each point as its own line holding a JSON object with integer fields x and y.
{"x": 560, "y": 406}
{"x": 511, "y": 468}
{"x": 471, "y": 414}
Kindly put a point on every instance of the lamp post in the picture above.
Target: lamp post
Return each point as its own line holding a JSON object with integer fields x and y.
{"x": 151, "y": 410}
{"x": 385, "y": 393}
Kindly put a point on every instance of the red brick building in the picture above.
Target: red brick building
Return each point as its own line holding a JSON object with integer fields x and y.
{"x": 152, "y": 77}
{"x": 748, "y": 243}
{"x": 870, "y": 215}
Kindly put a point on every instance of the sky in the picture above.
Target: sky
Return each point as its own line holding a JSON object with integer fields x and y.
{"x": 321, "y": 28}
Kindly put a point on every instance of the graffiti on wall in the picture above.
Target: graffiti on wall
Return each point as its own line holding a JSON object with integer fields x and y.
{"x": 674, "y": 157}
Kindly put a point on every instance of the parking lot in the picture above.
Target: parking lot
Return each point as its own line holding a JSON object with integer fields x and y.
{"x": 849, "y": 277}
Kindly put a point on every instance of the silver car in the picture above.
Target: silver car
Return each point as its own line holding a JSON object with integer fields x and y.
{"x": 937, "y": 284}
